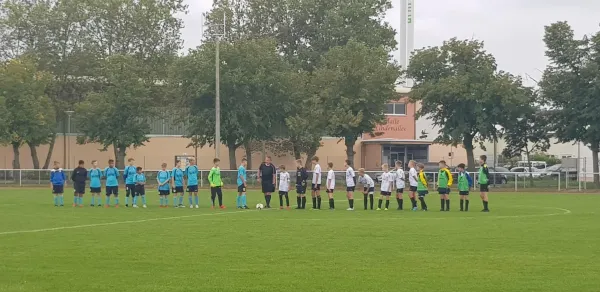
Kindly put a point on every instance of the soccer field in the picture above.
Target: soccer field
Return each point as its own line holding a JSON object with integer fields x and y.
{"x": 529, "y": 242}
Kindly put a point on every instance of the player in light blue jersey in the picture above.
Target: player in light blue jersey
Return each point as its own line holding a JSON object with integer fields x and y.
{"x": 140, "y": 187}
{"x": 191, "y": 174}
{"x": 177, "y": 175}
{"x": 241, "y": 183}
{"x": 95, "y": 175}
{"x": 164, "y": 178}
{"x": 129, "y": 176}
{"x": 111, "y": 173}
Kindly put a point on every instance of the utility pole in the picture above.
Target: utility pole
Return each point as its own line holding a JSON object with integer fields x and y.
{"x": 216, "y": 31}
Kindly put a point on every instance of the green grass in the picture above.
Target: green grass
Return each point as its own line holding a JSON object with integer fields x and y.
{"x": 529, "y": 242}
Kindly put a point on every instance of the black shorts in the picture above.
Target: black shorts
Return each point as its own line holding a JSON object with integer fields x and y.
{"x": 192, "y": 189}
{"x": 484, "y": 188}
{"x": 164, "y": 192}
{"x": 140, "y": 190}
{"x": 368, "y": 190}
{"x": 95, "y": 190}
{"x": 282, "y": 193}
{"x": 386, "y": 193}
{"x": 400, "y": 191}
{"x": 130, "y": 189}
{"x": 79, "y": 187}
{"x": 300, "y": 189}
{"x": 329, "y": 191}
{"x": 178, "y": 190}
{"x": 412, "y": 189}
{"x": 316, "y": 187}
{"x": 268, "y": 187}
{"x": 443, "y": 191}
{"x": 58, "y": 189}
{"x": 350, "y": 189}
{"x": 422, "y": 193}
{"x": 112, "y": 190}
{"x": 241, "y": 189}
{"x": 463, "y": 193}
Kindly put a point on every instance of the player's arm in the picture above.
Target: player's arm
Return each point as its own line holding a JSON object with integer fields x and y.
{"x": 274, "y": 174}
{"x": 73, "y": 176}
{"x": 210, "y": 177}
{"x": 241, "y": 176}
{"x": 423, "y": 179}
{"x": 450, "y": 178}
{"x": 64, "y": 177}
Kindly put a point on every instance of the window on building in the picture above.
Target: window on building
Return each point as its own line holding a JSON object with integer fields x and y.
{"x": 395, "y": 109}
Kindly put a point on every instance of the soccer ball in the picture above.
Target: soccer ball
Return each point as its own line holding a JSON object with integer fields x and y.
{"x": 259, "y": 206}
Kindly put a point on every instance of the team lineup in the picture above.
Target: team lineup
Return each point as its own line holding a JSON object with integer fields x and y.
{"x": 181, "y": 179}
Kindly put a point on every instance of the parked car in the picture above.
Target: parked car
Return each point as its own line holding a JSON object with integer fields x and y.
{"x": 558, "y": 169}
{"x": 524, "y": 172}
{"x": 497, "y": 175}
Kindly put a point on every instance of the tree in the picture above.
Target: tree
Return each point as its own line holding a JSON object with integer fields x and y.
{"x": 120, "y": 113}
{"x": 54, "y": 33}
{"x": 462, "y": 92}
{"x": 354, "y": 82}
{"x": 571, "y": 86}
{"x": 305, "y": 30}
{"x": 29, "y": 115}
{"x": 526, "y": 135}
{"x": 252, "y": 99}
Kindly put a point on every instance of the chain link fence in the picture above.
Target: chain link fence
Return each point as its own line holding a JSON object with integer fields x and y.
{"x": 503, "y": 181}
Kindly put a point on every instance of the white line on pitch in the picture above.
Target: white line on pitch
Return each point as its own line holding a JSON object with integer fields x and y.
{"x": 115, "y": 223}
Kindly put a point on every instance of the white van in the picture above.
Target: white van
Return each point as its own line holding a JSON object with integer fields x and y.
{"x": 535, "y": 165}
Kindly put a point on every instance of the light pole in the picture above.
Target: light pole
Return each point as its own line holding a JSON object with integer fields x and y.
{"x": 217, "y": 31}
{"x": 68, "y": 154}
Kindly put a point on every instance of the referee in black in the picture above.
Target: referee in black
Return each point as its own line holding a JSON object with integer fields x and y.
{"x": 79, "y": 176}
{"x": 267, "y": 177}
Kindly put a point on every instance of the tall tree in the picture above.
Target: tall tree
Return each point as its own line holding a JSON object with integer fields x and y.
{"x": 526, "y": 135}
{"x": 118, "y": 115}
{"x": 354, "y": 84}
{"x": 571, "y": 86}
{"x": 252, "y": 102}
{"x": 53, "y": 32}
{"x": 29, "y": 115}
{"x": 304, "y": 31}
{"x": 462, "y": 92}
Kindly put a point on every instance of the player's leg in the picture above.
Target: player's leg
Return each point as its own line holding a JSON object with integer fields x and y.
{"x": 280, "y": 200}
{"x": 422, "y": 195}
{"x": 399, "y": 198}
{"x": 466, "y": 201}
{"x": 381, "y": 197}
{"x": 350, "y": 196}
{"x": 181, "y": 193}
{"x": 287, "y": 200}
{"x": 330, "y": 197}
{"x": 220, "y": 197}
{"x": 413, "y": 197}
{"x": 116, "y": 194}
{"x": 484, "y": 197}
{"x": 213, "y": 196}
{"x": 318, "y": 193}
{"x": 55, "y": 196}
{"x": 190, "y": 196}
{"x": 108, "y": 194}
{"x": 366, "y": 197}
{"x": 387, "y": 200}
{"x": 61, "y": 198}
{"x": 371, "y": 197}
{"x": 442, "y": 199}
{"x": 298, "y": 198}
{"x": 313, "y": 193}
{"x": 447, "y": 198}
{"x": 196, "y": 198}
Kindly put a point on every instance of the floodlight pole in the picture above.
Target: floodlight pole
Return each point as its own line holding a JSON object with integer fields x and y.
{"x": 217, "y": 31}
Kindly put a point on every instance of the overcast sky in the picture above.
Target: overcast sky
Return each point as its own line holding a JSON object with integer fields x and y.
{"x": 512, "y": 29}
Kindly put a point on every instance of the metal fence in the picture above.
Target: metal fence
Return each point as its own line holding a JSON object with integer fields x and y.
{"x": 506, "y": 181}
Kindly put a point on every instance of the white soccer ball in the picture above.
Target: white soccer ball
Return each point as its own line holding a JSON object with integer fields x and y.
{"x": 259, "y": 206}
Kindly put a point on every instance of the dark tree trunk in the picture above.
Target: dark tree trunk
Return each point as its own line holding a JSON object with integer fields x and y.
{"x": 50, "y": 151}
{"x": 120, "y": 153}
{"x": 34, "y": 156}
{"x": 596, "y": 169}
{"x": 296, "y": 149}
{"x": 309, "y": 155}
{"x": 529, "y": 167}
{"x": 232, "y": 159}
{"x": 350, "y": 141}
{"x": 248, "y": 150}
{"x": 468, "y": 144}
{"x": 17, "y": 156}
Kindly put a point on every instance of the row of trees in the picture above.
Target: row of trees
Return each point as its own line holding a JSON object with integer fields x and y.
{"x": 292, "y": 71}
